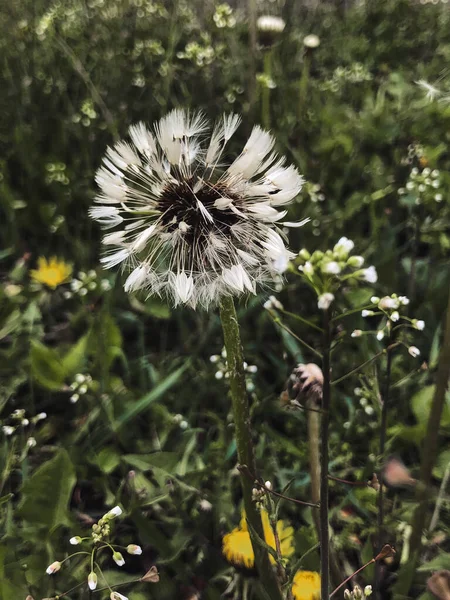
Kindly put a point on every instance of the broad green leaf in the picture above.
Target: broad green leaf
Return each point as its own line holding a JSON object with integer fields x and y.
{"x": 442, "y": 561}
{"x": 106, "y": 460}
{"x": 74, "y": 359}
{"x": 46, "y": 494}
{"x": 46, "y": 366}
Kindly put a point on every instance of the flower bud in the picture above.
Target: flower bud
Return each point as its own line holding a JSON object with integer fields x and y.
{"x": 304, "y": 254}
{"x": 75, "y": 540}
{"x": 117, "y": 596}
{"x": 325, "y": 300}
{"x": 134, "y": 549}
{"x": 53, "y": 568}
{"x": 118, "y": 559}
{"x": 355, "y": 262}
{"x": 113, "y": 513}
{"x": 414, "y": 351}
{"x": 92, "y": 580}
{"x": 368, "y": 591}
{"x": 357, "y": 593}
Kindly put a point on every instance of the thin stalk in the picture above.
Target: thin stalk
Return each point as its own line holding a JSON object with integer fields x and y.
{"x": 252, "y": 39}
{"x": 430, "y": 447}
{"x": 324, "y": 431}
{"x": 265, "y": 92}
{"x": 382, "y": 446}
{"x": 244, "y": 444}
{"x": 303, "y": 84}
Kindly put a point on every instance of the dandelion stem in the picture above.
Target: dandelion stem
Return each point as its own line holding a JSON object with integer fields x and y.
{"x": 244, "y": 444}
{"x": 324, "y": 427}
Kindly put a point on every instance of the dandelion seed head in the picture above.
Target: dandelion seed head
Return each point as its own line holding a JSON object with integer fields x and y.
{"x": 188, "y": 225}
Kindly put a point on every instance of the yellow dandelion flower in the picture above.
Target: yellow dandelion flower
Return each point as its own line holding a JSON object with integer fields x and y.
{"x": 52, "y": 273}
{"x": 237, "y": 546}
{"x": 306, "y": 585}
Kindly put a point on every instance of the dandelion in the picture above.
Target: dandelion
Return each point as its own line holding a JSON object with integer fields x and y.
{"x": 237, "y": 547}
{"x": 189, "y": 226}
{"x": 325, "y": 300}
{"x": 306, "y": 585}
{"x": 51, "y": 273}
{"x": 53, "y": 568}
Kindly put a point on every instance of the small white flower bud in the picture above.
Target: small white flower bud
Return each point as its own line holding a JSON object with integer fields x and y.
{"x": 414, "y": 351}
{"x": 304, "y": 254}
{"x": 92, "y": 580}
{"x": 114, "y": 512}
{"x": 118, "y": 559}
{"x": 268, "y": 485}
{"x": 325, "y": 300}
{"x": 331, "y": 268}
{"x": 395, "y": 316}
{"x": 53, "y": 568}
{"x": 31, "y": 442}
{"x": 218, "y": 375}
{"x": 25, "y": 422}
{"x": 8, "y": 430}
{"x": 367, "y": 313}
{"x": 375, "y": 299}
{"x": 134, "y": 549}
{"x": 367, "y": 590}
{"x": 380, "y": 335}
{"x": 356, "y": 333}
{"x": 74, "y": 398}
{"x": 40, "y": 416}
{"x": 308, "y": 269}
{"x": 370, "y": 275}
{"x": 418, "y": 324}
{"x": 355, "y": 262}
{"x": 117, "y": 596}
{"x": 80, "y": 378}
{"x": 75, "y": 540}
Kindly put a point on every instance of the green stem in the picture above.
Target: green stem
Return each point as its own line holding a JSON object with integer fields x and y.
{"x": 303, "y": 85}
{"x": 252, "y": 38}
{"x": 430, "y": 447}
{"x": 324, "y": 427}
{"x": 265, "y": 92}
{"x": 244, "y": 446}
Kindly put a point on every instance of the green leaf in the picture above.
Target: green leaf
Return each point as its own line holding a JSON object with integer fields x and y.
{"x": 106, "y": 460}
{"x": 167, "y": 461}
{"x": 46, "y": 494}
{"x": 74, "y": 359}
{"x": 46, "y": 366}
{"x": 155, "y": 394}
{"x": 442, "y": 561}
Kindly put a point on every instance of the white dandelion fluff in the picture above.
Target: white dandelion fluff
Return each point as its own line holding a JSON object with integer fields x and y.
{"x": 187, "y": 225}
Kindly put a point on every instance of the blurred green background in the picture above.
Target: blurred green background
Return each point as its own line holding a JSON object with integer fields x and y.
{"x": 153, "y": 431}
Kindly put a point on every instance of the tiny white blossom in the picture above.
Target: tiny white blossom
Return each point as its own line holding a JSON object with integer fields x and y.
{"x": 117, "y": 596}
{"x": 74, "y": 398}
{"x": 188, "y": 226}
{"x": 380, "y": 335}
{"x": 118, "y": 559}
{"x": 92, "y": 580}
{"x": 218, "y": 375}
{"x": 311, "y": 41}
{"x": 308, "y": 269}
{"x": 367, "y": 313}
{"x": 356, "y": 333}
{"x": 418, "y": 324}
{"x": 114, "y": 512}
{"x": 205, "y": 505}
{"x": 414, "y": 351}
{"x": 355, "y": 261}
{"x": 134, "y": 549}
{"x": 332, "y": 268}
{"x": 375, "y": 299}
{"x": 8, "y": 430}
{"x": 404, "y": 300}
{"x": 395, "y": 316}
{"x": 387, "y": 303}
{"x": 53, "y": 568}
{"x": 370, "y": 275}
{"x": 40, "y": 416}
{"x": 268, "y": 485}
{"x": 325, "y": 301}
{"x": 31, "y": 442}
{"x": 368, "y": 590}
{"x": 344, "y": 245}
{"x": 438, "y": 197}
{"x": 75, "y": 540}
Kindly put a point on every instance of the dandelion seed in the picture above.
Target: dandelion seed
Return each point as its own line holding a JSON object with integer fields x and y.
{"x": 188, "y": 226}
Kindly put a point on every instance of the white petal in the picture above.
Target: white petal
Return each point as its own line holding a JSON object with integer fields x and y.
{"x": 136, "y": 279}
{"x": 142, "y": 238}
{"x": 247, "y": 258}
{"x": 108, "y": 216}
{"x": 142, "y": 138}
{"x": 183, "y": 287}
{"x": 295, "y": 223}
{"x": 114, "y": 259}
{"x": 222, "y": 203}
{"x": 113, "y": 238}
{"x": 206, "y": 215}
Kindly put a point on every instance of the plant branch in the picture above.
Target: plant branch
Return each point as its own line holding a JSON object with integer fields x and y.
{"x": 283, "y": 326}
{"x": 244, "y": 444}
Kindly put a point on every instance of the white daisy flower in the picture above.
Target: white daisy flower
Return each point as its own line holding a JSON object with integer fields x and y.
{"x": 189, "y": 226}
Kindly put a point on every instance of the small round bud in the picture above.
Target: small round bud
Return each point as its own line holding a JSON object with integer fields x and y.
{"x": 134, "y": 549}
{"x": 118, "y": 559}
{"x": 75, "y": 540}
{"x": 92, "y": 580}
{"x": 53, "y": 568}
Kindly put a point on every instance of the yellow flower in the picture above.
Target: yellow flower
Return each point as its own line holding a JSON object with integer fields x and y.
{"x": 52, "y": 273}
{"x": 306, "y": 585}
{"x": 237, "y": 546}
